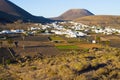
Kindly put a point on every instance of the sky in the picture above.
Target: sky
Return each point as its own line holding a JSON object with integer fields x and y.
{"x": 54, "y": 8}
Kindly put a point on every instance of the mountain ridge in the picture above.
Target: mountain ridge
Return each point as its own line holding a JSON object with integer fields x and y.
{"x": 10, "y": 9}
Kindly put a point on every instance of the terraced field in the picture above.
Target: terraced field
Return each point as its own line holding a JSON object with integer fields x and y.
{"x": 33, "y": 45}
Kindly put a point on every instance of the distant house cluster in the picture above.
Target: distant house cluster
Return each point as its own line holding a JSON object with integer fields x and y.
{"x": 69, "y": 29}
{"x": 12, "y": 31}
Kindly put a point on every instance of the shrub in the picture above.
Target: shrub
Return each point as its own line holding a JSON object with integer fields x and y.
{"x": 101, "y": 71}
{"x": 8, "y": 61}
{"x": 78, "y": 66}
{"x": 10, "y": 42}
{"x": 81, "y": 77}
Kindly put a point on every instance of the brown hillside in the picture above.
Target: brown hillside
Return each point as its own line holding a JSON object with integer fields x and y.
{"x": 10, "y": 8}
{"x": 73, "y": 14}
{"x": 101, "y": 20}
{"x": 7, "y": 8}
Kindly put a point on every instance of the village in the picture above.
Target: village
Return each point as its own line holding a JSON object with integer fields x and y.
{"x": 67, "y": 29}
{"x": 74, "y": 30}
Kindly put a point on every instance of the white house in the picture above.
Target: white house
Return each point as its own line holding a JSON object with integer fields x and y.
{"x": 17, "y": 31}
{"x": 71, "y": 36}
{"x": 80, "y": 34}
{"x": 6, "y": 32}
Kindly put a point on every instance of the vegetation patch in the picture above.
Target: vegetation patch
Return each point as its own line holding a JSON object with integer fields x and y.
{"x": 57, "y": 39}
{"x": 76, "y": 40}
{"x": 64, "y": 47}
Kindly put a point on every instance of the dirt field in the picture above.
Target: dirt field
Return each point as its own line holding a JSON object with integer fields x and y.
{"x": 89, "y": 45}
{"x": 33, "y": 48}
{"x": 33, "y": 45}
{"x": 43, "y": 38}
{"x": 81, "y": 45}
{"x": 114, "y": 40}
{"x": 115, "y": 43}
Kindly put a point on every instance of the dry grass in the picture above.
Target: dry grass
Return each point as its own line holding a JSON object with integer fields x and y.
{"x": 70, "y": 66}
{"x": 88, "y": 45}
{"x": 112, "y": 21}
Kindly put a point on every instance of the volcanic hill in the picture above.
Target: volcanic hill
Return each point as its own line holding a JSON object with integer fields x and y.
{"x": 73, "y": 14}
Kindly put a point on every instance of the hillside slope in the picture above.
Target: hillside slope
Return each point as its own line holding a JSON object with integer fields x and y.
{"x": 7, "y": 8}
{"x": 100, "y": 20}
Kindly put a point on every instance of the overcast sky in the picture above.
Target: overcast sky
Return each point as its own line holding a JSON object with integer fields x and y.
{"x": 53, "y": 8}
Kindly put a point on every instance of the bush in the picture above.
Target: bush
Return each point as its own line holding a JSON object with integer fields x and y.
{"x": 78, "y": 66}
{"x": 8, "y": 61}
{"x": 33, "y": 67}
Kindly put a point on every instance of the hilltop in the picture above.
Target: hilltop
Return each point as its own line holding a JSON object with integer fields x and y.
{"x": 9, "y": 12}
{"x": 73, "y": 14}
{"x": 100, "y": 20}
